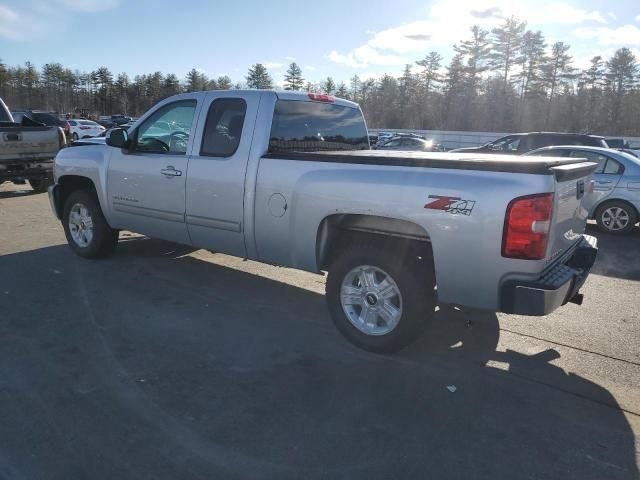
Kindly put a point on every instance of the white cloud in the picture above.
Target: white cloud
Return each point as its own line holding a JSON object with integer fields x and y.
{"x": 612, "y": 15}
{"x": 446, "y": 22}
{"x": 638, "y": 18}
{"x": 364, "y": 56}
{"x": 627, "y": 35}
{"x": 290, "y": 59}
{"x": 8, "y": 23}
{"x": 309, "y": 67}
{"x": 273, "y": 64}
{"x": 90, "y": 5}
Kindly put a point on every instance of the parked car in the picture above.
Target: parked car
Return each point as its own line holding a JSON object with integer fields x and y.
{"x": 520, "y": 143}
{"x": 44, "y": 118}
{"x": 120, "y": 119}
{"x": 27, "y": 150}
{"x": 615, "y": 201}
{"x": 85, "y": 129}
{"x": 408, "y": 143}
{"x": 617, "y": 143}
{"x": 296, "y": 184}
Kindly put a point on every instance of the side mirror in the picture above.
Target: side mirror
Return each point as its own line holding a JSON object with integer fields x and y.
{"x": 118, "y": 137}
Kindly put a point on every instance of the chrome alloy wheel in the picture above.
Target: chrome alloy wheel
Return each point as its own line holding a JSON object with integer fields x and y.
{"x": 615, "y": 218}
{"x": 371, "y": 300}
{"x": 80, "y": 225}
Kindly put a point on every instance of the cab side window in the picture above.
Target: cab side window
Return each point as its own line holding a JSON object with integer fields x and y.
{"x": 167, "y": 129}
{"x": 223, "y": 129}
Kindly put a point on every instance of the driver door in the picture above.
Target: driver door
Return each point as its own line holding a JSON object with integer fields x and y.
{"x": 146, "y": 185}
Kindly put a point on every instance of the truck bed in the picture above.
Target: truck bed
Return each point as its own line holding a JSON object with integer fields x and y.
{"x": 559, "y": 166}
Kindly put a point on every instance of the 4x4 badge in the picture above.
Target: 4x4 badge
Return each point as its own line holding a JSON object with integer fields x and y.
{"x": 453, "y": 205}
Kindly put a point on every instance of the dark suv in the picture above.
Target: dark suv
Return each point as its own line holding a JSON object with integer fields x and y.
{"x": 520, "y": 143}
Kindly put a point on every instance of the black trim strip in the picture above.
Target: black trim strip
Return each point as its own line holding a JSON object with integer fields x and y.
{"x": 492, "y": 163}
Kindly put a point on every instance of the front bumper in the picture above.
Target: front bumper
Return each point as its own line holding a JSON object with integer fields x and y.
{"x": 557, "y": 286}
{"x": 54, "y": 192}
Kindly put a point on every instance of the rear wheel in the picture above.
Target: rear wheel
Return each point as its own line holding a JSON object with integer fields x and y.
{"x": 379, "y": 300}
{"x": 616, "y": 217}
{"x": 88, "y": 233}
{"x": 40, "y": 184}
{"x": 75, "y": 137}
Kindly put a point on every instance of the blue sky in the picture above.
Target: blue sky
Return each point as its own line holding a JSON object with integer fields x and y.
{"x": 337, "y": 38}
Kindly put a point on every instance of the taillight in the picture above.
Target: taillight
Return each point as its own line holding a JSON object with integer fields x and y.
{"x": 322, "y": 97}
{"x": 526, "y": 227}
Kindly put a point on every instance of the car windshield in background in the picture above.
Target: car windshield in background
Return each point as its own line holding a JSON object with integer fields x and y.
{"x": 312, "y": 126}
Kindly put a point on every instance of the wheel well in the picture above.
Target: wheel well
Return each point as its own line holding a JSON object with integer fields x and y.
{"x": 68, "y": 184}
{"x": 336, "y": 231}
{"x": 611, "y": 200}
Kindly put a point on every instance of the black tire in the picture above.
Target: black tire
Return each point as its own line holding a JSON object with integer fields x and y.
{"x": 605, "y": 222}
{"x": 75, "y": 137}
{"x": 413, "y": 275}
{"x": 40, "y": 184}
{"x": 104, "y": 238}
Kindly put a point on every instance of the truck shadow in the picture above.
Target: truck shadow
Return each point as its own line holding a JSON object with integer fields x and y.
{"x": 156, "y": 364}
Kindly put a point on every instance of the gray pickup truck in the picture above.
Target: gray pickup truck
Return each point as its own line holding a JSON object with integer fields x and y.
{"x": 27, "y": 152}
{"x": 288, "y": 178}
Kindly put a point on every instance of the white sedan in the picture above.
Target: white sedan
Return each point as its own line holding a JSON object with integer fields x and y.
{"x": 84, "y": 129}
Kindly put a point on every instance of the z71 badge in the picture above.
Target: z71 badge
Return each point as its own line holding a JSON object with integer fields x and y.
{"x": 453, "y": 205}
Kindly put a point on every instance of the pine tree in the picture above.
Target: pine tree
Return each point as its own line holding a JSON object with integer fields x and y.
{"x": 555, "y": 70}
{"x": 196, "y": 81}
{"x": 430, "y": 76}
{"x": 621, "y": 73}
{"x": 342, "y": 91}
{"x": 531, "y": 58}
{"x": 293, "y": 77}
{"x": 329, "y": 86}
{"x": 476, "y": 51}
{"x": 506, "y": 45}
{"x": 224, "y": 83}
{"x": 258, "y": 77}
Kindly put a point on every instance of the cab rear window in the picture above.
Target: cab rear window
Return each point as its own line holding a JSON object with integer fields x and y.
{"x": 300, "y": 126}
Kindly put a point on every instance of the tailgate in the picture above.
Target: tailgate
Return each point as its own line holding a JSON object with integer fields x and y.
{"x": 572, "y": 185}
{"x": 28, "y": 143}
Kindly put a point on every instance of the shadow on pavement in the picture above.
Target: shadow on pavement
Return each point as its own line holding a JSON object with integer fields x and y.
{"x": 152, "y": 364}
{"x": 617, "y": 254}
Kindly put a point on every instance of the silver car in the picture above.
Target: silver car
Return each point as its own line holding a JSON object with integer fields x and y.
{"x": 615, "y": 201}
{"x": 408, "y": 144}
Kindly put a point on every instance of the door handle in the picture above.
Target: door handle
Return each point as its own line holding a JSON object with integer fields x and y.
{"x": 170, "y": 171}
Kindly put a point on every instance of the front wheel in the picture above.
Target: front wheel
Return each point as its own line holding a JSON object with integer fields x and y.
{"x": 75, "y": 137}
{"x": 379, "y": 299}
{"x": 88, "y": 233}
{"x": 616, "y": 217}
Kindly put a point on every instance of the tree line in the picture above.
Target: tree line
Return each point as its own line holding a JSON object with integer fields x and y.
{"x": 506, "y": 79}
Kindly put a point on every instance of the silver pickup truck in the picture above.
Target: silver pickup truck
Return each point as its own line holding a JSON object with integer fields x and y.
{"x": 27, "y": 152}
{"x": 288, "y": 178}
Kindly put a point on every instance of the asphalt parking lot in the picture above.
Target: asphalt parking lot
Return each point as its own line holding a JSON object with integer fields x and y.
{"x": 162, "y": 362}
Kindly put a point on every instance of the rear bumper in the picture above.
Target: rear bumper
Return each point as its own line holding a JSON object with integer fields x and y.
{"x": 557, "y": 286}
{"x": 25, "y": 169}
